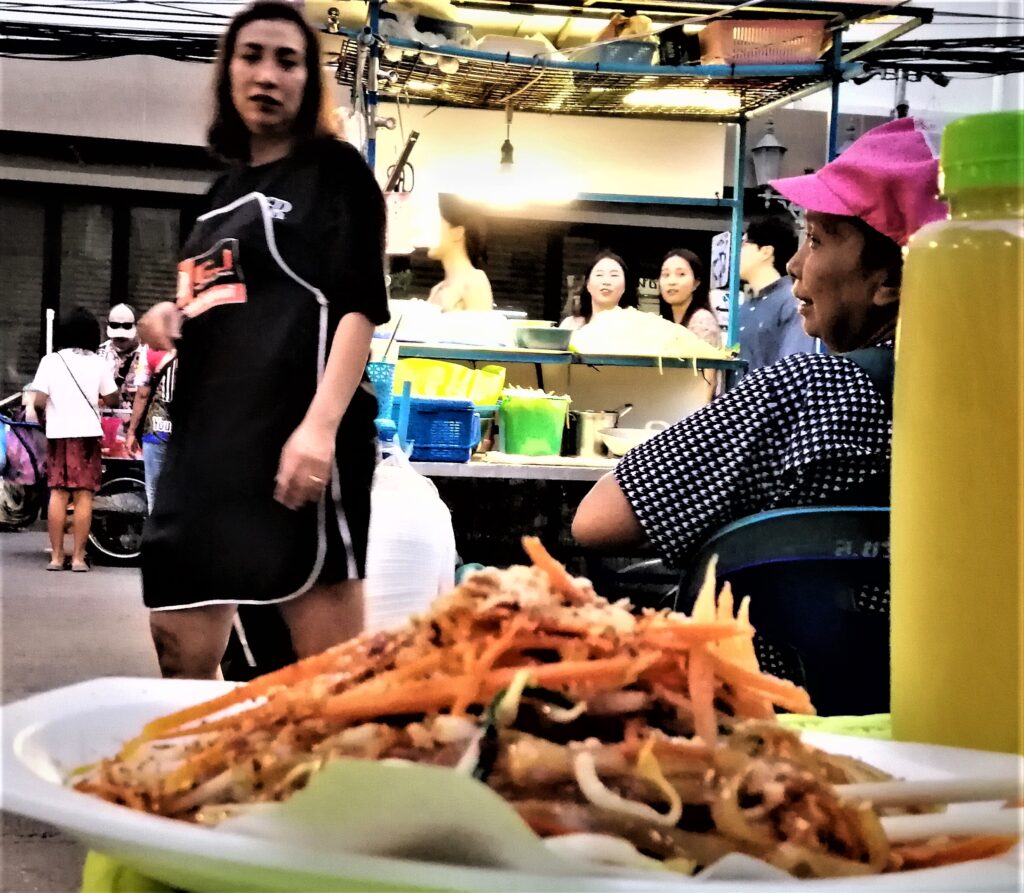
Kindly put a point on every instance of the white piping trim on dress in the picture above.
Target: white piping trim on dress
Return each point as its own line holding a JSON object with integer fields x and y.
{"x": 321, "y": 361}
{"x": 343, "y": 528}
{"x": 236, "y": 622}
{"x": 228, "y": 601}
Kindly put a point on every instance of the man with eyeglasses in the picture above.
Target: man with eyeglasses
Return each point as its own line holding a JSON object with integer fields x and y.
{"x": 122, "y": 351}
{"x": 770, "y": 326}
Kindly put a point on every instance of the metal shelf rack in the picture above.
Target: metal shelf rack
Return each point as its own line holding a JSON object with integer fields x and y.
{"x": 487, "y": 80}
{"x": 724, "y": 93}
{"x": 733, "y": 369}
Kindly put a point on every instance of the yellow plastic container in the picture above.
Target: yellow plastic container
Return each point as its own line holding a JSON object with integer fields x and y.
{"x": 958, "y": 454}
{"x": 437, "y": 378}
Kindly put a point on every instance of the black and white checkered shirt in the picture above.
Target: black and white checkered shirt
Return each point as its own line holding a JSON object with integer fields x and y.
{"x": 808, "y": 430}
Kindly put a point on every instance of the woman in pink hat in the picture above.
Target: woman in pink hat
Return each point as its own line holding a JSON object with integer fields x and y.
{"x": 811, "y": 429}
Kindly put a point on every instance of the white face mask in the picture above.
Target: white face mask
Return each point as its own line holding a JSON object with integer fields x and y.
{"x": 121, "y": 323}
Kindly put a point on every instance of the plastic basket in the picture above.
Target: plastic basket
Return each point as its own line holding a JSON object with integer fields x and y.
{"x": 441, "y": 430}
{"x": 382, "y": 375}
{"x": 532, "y": 426}
{"x": 762, "y": 41}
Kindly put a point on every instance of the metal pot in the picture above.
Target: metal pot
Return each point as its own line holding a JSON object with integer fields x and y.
{"x": 589, "y": 423}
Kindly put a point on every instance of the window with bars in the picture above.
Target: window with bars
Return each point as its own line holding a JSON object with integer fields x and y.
{"x": 86, "y": 253}
{"x": 153, "y": 240}
{"x": 90, "y": 248}
{"x": 22, "y": 224}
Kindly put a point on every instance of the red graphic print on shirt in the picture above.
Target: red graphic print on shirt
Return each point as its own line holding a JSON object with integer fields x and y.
{"x": 211, "y": 279}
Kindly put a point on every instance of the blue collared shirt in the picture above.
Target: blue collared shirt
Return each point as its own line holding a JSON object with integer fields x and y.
{"x": 771, "y": 327}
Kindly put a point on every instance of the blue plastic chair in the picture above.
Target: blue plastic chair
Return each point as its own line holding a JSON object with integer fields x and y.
{"x": 818, "y": 579}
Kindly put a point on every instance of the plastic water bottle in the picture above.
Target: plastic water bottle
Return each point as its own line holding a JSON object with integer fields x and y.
{"x": 958, "y": 453}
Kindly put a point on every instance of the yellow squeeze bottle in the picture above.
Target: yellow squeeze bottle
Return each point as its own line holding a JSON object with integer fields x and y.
{"x": 958, "y": 453}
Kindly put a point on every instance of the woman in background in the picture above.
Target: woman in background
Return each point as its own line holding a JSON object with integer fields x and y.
{"x": 460, "y": 249}
{"x": 69, "y": 386}
{"x": 683, "y": 297}
{"x": 607, "y": 285}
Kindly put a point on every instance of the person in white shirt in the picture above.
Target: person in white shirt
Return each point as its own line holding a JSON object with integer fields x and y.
{"x": 69, "y": 387}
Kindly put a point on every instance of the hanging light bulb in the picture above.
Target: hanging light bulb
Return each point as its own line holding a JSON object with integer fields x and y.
{"x": 506, "y": 147}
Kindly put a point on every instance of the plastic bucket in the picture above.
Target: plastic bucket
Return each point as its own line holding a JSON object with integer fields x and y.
{"x": 532, "y": 426}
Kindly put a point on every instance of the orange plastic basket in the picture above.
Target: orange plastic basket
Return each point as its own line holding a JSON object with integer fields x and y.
{"x": 762, "y": 41}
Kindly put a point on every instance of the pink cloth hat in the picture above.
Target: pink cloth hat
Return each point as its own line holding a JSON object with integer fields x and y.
{"x": 889, "y": 178}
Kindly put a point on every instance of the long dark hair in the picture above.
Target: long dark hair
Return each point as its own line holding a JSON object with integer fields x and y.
{"x": 460, "y": 213}
{"x": 228, "y": 137}
{"x": 699, "y": 300}
{"x": 629, "y": 296}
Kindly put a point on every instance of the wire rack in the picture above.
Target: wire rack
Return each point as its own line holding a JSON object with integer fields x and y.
{"x": 485, "y": 80}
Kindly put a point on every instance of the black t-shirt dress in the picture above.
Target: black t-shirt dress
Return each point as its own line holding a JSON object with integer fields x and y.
{"x": 284, "y": 252}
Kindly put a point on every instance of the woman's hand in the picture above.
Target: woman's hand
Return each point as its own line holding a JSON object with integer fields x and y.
{"x": 304, "y": 469}
{"x": 160, "y": 326}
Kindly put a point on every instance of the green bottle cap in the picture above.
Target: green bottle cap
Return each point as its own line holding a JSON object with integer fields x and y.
{"x": 982, "y": 151}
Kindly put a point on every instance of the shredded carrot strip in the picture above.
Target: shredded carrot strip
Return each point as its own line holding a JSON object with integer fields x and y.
{"x": 779, "y": 691}
{"x": 483, "y": 666}
{"x": 948, "y": 852}
{"x": 558, "y": 576}
{"x": 684, "y": 634}
{"x": 439, "y": 694}
{"x": 286, "y": 676}
{"x": 702, "y": 693}
{"x": 704, "y": 606}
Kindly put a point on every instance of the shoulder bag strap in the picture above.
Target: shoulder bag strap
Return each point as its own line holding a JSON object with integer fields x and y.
{"x": 95, "y": 412}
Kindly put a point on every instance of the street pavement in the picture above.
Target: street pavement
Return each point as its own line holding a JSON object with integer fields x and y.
{"x": 57, "y": 629}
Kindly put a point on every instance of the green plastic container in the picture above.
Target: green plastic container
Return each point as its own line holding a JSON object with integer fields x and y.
{"x": 532, "y": 426}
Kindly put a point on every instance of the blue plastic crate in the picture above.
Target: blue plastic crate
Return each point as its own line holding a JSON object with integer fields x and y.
{"x": 441, "y": 430}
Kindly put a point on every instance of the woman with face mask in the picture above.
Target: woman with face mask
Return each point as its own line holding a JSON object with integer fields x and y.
{"x": 808, "y": 429}
{"x": 606, "y": 286}
{"x": 683, "y": 295}
{"x": 265, "y": 487}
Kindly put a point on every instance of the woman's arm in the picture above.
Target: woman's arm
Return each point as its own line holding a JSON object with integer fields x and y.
{"x": 138, "y": 405}
{"x": 476, "y": 294}
{"x": 307, "y": 457}
{"x": 605, "y": 517}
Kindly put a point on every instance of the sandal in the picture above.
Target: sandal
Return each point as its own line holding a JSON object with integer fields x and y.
{"x": 82, "y": 568}
{"x": 55, "y": 566}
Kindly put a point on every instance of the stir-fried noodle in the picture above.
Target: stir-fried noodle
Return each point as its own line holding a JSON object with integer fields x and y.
{"x": 654, "y": 727}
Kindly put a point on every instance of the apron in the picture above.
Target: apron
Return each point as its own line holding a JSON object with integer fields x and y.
{"x": 253, "y": 348}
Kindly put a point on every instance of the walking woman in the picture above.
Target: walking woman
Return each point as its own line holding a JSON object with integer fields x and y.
{"x": 264, "y": 494}
{"x": 69, "y": 386}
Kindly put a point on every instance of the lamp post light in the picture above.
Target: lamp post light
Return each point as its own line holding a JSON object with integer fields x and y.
{"x": 767, "y": 154}
{"x": 767, "y": 157}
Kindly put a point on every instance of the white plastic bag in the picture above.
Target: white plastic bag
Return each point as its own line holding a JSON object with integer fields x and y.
{"x": 410, "y": 557}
